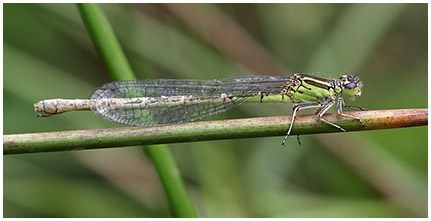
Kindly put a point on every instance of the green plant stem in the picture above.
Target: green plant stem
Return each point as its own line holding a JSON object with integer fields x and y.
{"x": 106, "y": 42}
{"x": 111, "y": 52}
{"x": 206, "y": 130}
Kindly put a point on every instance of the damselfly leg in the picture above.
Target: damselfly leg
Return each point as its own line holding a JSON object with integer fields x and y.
{"x": 341, "y": 104}
{"x": 354, "y": 107}
{"x": 322, "y": 109}
{"x": 296, "y": 108}
{"x": 325, "y": 108}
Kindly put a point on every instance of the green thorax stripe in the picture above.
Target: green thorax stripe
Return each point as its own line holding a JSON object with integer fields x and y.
{"x": 317, "y": 81}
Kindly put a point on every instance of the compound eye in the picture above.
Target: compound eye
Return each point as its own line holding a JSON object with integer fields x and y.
{"x": 350, "y": 78}
{"x": 350, "y": 85}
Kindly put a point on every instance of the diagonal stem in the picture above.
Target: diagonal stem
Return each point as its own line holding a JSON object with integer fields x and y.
{"x": 119, "y": 68}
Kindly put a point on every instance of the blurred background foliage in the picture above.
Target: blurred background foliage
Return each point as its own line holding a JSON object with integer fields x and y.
{"x": 49, "y": 54}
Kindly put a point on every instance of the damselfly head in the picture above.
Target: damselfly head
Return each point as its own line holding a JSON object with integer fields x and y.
{"x": 351, "y": 85}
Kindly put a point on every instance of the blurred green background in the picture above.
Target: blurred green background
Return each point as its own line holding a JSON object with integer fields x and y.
{"x": 49, "y": 54}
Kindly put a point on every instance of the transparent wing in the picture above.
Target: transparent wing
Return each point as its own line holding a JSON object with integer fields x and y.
{"x": 157, "y": 88}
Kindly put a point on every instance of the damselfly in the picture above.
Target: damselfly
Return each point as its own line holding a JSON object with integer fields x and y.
{"x": 170, "y": 101}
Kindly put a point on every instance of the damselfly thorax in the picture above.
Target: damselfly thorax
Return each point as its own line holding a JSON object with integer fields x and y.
{"x": 307, "y": 91}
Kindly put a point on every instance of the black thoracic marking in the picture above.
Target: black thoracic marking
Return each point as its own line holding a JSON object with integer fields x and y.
{"x": 316, "y": 84}
{"x": 301, "y": 85}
